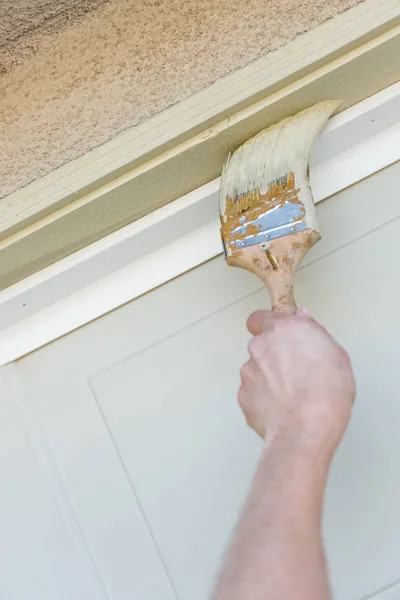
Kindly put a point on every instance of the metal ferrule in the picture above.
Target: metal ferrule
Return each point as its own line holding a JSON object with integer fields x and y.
{"x": 274, "y": 223}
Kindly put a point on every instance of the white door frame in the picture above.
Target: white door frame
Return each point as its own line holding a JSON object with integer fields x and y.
{"x": 180, "y": 236}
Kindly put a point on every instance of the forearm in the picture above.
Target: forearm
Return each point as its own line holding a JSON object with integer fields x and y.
{"x": 277, "y": 551}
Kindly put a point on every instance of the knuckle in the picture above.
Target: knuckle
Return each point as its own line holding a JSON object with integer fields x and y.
{"x": 345, "y": 356}
{"x": 245, "y": 406}
{"x": 251, "y": 345}
{"x": 256, "y": 346}
{"x": 245, "y": 371}
{"x": 242, "y": 400}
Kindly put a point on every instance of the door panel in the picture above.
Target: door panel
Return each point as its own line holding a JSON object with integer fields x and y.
{"x": 109, "y": 514}
{"x": 43, "y": 554}
{"x": 138, "y": 409}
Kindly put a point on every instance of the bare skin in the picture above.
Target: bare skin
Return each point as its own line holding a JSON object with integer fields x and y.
{"x": 297, "y": 391}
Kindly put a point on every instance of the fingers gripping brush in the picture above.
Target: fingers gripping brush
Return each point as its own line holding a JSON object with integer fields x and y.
{"x": 268, "y": 220}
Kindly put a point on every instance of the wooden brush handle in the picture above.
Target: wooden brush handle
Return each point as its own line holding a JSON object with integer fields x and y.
{"x": 276, "y": 263}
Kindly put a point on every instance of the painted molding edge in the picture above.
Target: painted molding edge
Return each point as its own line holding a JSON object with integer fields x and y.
{"x": 136, "y": 172}
{"x": 179, "y": 236}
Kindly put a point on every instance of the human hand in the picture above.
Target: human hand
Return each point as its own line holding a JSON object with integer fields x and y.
{"x": 298, "y": 384}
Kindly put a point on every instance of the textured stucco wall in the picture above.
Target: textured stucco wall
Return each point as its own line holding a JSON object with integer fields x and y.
{"x": 23, "y": 23}
{"x": 74, "y": 78}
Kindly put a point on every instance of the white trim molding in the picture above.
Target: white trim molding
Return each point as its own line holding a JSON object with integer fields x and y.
{"x": 179, "y": 236}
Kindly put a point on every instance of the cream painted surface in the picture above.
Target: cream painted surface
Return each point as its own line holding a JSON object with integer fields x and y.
{"x": 42, "y": 554}
{"x": 60, "y": 538}
{"x": 391, "y": 593}
{"x": 138, "y": 416}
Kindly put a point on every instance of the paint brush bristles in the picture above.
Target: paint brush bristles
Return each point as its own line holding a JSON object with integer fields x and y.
{"x": 274, "y": 153}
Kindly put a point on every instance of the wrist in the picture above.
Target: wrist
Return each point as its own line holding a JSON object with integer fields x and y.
{"x": 299, "y": 437}
{"x": 291, "y": 486}
{"x": 298, "y": 478}
{"x": 296, "y": 454}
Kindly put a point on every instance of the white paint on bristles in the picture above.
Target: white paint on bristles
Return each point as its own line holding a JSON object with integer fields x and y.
{"x": 275, "y": 152}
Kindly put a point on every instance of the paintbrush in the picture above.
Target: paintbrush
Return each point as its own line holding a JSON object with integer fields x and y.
{"x": 268, "y": 220}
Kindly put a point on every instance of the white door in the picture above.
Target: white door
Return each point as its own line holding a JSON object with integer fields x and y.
{"x": 124, "y": 458}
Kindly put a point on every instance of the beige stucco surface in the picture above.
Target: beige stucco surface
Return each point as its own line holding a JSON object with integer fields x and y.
{"x": 24, "y": 23}
{"x": 74, "y": 74}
